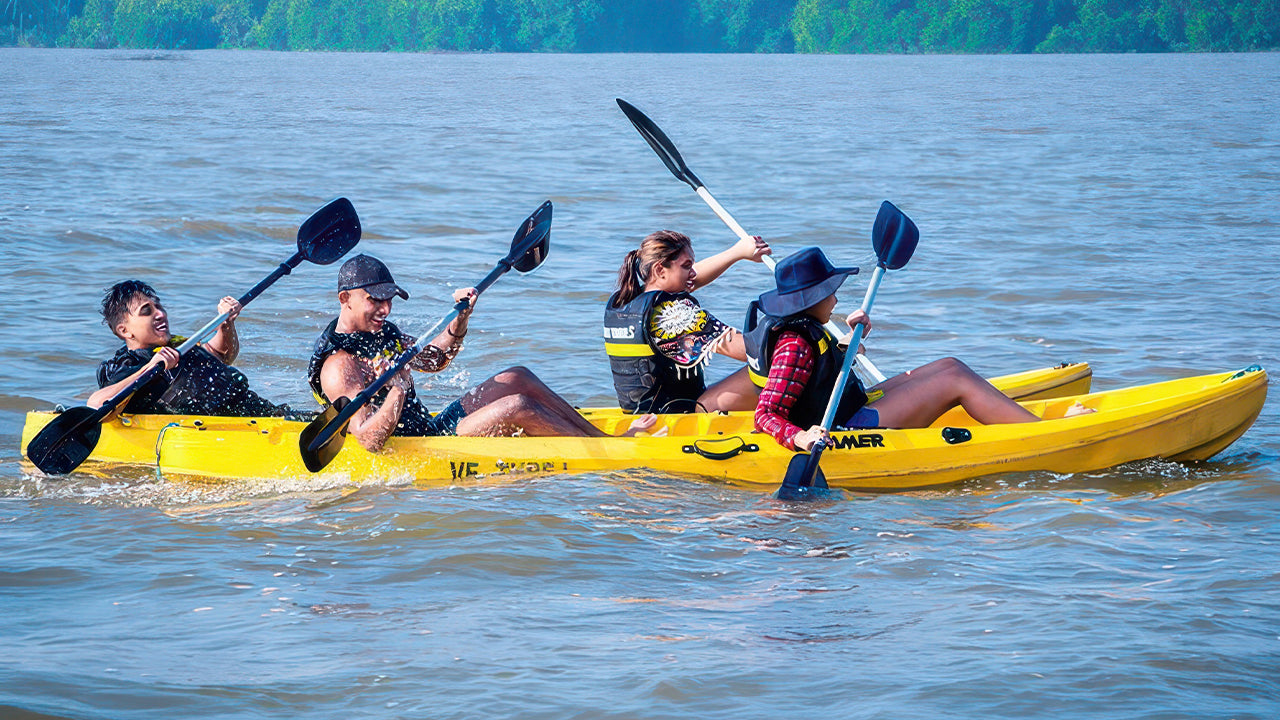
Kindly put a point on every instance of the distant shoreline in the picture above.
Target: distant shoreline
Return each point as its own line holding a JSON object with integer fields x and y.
{"x": 855, "y": 27}
{"x": 166, "y": 51}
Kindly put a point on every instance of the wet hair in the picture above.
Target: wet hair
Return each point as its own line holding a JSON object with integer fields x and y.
{"x": 115, "y": 304}
{"x": 661, "y": 247}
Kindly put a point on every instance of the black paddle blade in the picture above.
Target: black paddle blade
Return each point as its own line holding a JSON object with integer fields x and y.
{"x": 317, "y": 459}
{"x": 329, "y": 233}
{"x": 532, "y": 241}
{"x": 660, "y": 143}
{"x": 804, "y": 470}
{"x": 805, "y": 482}
{"x": 66, "y": 441}
{"x": 894, "y": 236}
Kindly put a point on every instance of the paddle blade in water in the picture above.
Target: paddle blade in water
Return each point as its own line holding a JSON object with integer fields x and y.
{"x": 894, "y": 236}
{"x": 66, "y": 441}
{"x": 660, "y": 143}
{"x": 329, "y": 233}
{"x": 804, "y": 481}
{"x": 532, "y": 242}
{"x": 317, "y": 459}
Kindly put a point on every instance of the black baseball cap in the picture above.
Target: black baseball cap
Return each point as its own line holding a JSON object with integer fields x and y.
{"x": 367, "y": 273}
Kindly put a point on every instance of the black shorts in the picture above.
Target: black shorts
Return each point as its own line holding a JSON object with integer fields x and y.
{"x": 445, "y": 422}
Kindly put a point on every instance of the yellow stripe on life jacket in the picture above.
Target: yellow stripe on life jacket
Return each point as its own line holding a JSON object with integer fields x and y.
{"x": 628, "y": 349}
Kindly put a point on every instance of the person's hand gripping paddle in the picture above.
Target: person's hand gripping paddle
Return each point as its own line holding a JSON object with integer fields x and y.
{"x": 894, "y": 237}
{"x": 321, "y": 440}
{"x": 70, "y": 438}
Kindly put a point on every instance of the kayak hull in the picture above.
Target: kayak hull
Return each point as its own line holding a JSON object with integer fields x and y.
{"x": 1188, "y": 419}
{"x": 133, "y": 439}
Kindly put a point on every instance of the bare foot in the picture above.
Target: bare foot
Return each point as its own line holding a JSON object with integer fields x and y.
{"x": 643, "y": 424}
{"x": 1077, "y": 408}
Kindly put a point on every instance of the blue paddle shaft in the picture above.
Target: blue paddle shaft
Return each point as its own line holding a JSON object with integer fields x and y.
{"x": 812, "y": 463}
{"x": 894, "y": 238}
{"x": 829, "y": 417}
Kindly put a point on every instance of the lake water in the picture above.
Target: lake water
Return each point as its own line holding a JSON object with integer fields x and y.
{"x": 1120, "y": 210}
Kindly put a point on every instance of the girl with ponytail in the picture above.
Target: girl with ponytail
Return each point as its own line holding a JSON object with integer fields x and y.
{"x": 659, "y": 339}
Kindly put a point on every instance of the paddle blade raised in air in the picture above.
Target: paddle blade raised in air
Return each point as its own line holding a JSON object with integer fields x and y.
{"x": 894, "y": 236}
{"x": 660, "y": 143}
{"x": 329, "y": 233}
{"x": 532, "y": 241}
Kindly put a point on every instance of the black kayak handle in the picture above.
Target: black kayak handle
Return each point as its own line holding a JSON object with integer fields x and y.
{"x": 741, "y": 447}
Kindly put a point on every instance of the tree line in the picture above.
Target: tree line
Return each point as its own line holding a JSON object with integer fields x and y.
{"x": 808, "y": 26}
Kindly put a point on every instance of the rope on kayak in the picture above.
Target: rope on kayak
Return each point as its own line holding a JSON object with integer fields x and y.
{"x": 159, "y": 443}
{"x": 1251, "y": 369}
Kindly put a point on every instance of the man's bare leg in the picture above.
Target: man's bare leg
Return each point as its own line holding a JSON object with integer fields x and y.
{"x": 516, "y": 399}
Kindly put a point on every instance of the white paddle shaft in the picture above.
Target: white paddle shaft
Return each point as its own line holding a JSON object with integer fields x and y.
{"x": 769, "y": 262}
{"x": 203, "y": 333}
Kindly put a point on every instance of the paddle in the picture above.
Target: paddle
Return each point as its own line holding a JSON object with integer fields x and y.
{"x": 670, "y": 156}
{"x": 65, "y": 442}
{"x": 894, "y": 237}
{"x": 321, "y": 440}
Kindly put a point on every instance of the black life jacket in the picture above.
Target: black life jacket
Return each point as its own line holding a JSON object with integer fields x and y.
{"x": 200, "y": 385}
{"x": 760, "y": 335}
{"x": 388, "y": 342}
{"x": 645, "y": 379}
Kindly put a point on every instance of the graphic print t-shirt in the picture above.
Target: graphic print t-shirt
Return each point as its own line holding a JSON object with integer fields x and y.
{"x": 682, "y": 331}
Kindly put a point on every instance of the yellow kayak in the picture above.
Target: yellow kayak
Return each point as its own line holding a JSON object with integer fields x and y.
{"x": 132, "y": 439}
{"x": 1188, "y": 419}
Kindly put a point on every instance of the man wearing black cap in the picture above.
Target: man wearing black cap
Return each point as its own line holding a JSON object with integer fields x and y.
{"x": 797, "y": 362}
{"x": 361, "y": 343}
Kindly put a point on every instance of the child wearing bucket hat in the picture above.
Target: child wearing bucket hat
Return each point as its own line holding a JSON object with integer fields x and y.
{"x": 796, "y": 361}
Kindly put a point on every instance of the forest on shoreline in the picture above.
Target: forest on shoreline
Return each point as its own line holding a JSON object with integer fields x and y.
{"x": 805, "y": 26}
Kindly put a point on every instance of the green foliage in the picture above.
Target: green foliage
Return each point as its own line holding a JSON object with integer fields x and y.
{"x": 742, "y": 25}
{"x": 92, "y": 27}
{"x": 166, "y": 23}
{"x": 1109, "y": 26}
{"x": 234, "y": 20}
{"x": 35, "y": 22}
{"x": 811, "y": 26}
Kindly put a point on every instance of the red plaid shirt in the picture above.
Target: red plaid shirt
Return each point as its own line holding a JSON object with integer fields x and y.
{"x": 793, "y": 364}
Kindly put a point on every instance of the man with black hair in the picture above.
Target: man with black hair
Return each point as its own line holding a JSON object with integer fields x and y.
{"x": 202, "y": 382}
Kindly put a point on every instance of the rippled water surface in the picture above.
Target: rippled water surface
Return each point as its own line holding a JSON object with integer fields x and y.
{"x": 1115, "y": 209}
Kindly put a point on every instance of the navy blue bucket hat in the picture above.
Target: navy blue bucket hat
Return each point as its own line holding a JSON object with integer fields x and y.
{"x": 804, "y": 280}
